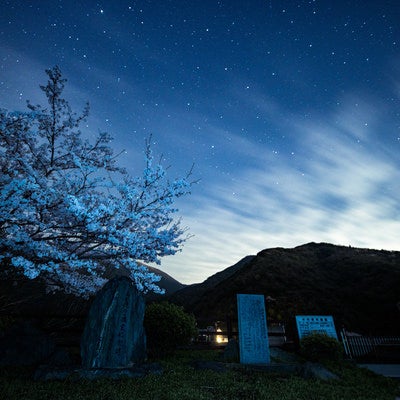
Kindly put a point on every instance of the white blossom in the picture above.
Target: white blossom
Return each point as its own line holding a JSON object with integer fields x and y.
{"x": 63, "y": 217}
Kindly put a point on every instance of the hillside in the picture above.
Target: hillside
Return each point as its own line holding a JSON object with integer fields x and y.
{"x": 192, "y": 294}
{"x": 167, "y": 282}
{"x": 359, "y": 287}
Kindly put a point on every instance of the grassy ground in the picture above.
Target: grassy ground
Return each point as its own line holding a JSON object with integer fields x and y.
{"x": 181, "y": 381}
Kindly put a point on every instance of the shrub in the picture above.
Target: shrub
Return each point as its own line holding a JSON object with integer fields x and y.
{"x": 320, "y": 347}
{"x": 167, "y": 326}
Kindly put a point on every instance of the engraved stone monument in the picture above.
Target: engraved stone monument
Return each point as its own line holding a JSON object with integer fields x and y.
{"x": 253, "y": 332}
{"x": 307, "y": 324}
{"x": 114, "y": 335}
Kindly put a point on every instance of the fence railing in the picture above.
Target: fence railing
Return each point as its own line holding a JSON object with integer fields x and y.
{"x": 371, "y": 347}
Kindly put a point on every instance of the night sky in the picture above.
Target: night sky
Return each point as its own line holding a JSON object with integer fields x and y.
{"x": 289, "y": 110}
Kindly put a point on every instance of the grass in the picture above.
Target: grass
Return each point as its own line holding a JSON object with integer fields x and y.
{"x": 181, "y": 381}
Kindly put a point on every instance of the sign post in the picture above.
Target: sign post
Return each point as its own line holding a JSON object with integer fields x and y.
{"x": 307, "y": 324}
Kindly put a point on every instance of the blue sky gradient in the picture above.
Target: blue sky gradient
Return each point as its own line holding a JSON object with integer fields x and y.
{"x": 288, "y": 109}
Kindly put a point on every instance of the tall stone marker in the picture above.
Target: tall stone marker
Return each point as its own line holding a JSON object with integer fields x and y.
{"x": 253, "y": 332}
{"x": 307, "y": 324}
{"x": 114, "y": 335}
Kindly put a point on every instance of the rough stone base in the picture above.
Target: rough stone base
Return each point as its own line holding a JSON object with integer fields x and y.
{"x": 49, "y": 373}
{"x": 318, "y": 371}
{"x": 284, "y": 363}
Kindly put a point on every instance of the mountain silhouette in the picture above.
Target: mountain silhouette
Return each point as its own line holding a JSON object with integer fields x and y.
{"x": 359, "y": 287}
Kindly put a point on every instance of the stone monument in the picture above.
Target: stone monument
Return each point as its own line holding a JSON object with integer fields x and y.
{"x": 114, "y": 335}
{"x": 253, "y": 332}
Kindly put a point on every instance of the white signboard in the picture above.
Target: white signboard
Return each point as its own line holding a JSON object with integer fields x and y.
{"x": 307, "y": 324}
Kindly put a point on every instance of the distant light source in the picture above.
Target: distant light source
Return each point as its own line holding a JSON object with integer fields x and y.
{"x": 220, "y": 338}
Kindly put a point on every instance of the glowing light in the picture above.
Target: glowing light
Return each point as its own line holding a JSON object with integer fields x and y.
{"x": 220, "y": 338}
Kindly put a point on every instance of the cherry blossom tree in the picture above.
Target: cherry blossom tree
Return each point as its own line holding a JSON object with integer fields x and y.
{"x": 68, "y": 212}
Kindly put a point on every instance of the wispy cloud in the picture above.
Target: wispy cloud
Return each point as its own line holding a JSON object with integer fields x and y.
{"x": 339, "y": 186}
{"x": 344, "y": 193}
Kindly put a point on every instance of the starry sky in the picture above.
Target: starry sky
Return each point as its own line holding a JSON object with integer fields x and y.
{"x": 289, "y": 110}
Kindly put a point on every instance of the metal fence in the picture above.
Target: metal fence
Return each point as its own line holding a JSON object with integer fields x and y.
{"x": 375, "y": 348}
